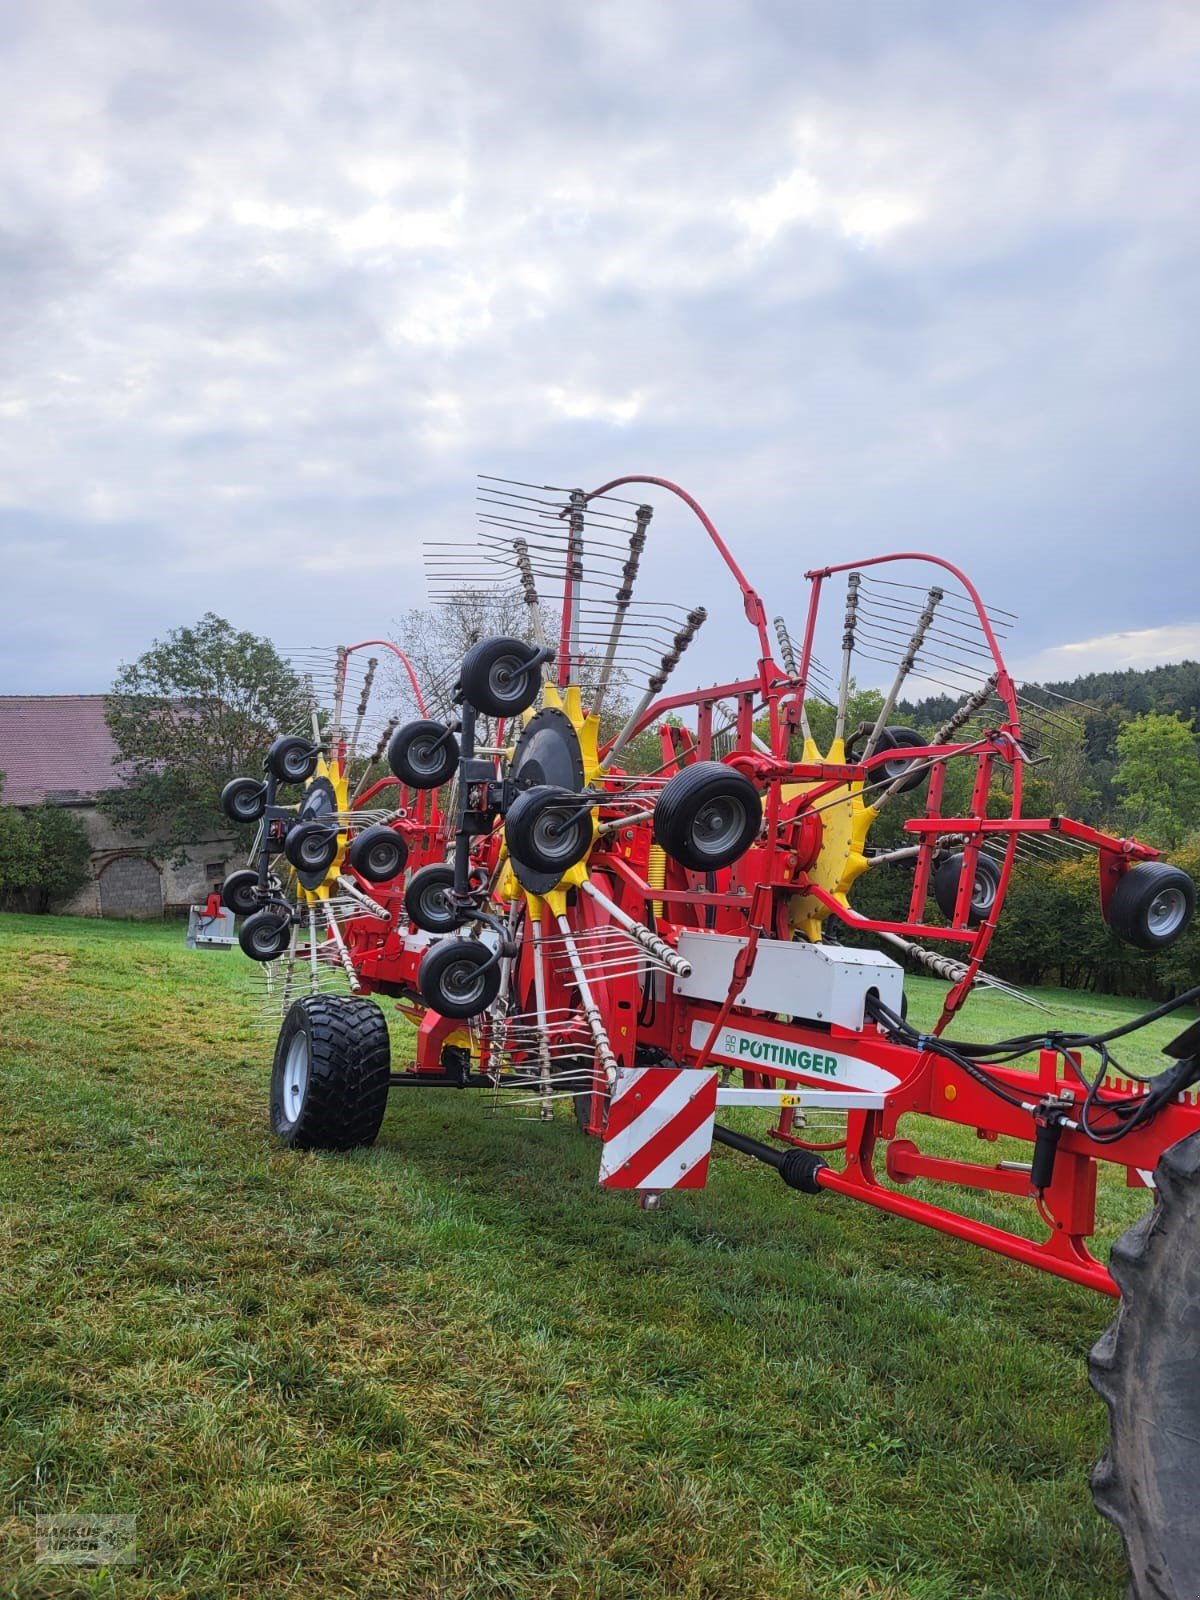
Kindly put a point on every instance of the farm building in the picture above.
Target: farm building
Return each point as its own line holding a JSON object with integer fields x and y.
{"x": 57, "y": 748}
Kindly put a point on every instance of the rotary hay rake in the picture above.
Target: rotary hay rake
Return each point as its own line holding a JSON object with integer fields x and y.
{"x": 656, "y": 945}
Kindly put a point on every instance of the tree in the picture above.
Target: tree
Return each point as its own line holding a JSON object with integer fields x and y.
{"x": 199, "y": 707}
{"x": 1158, "y": 777}
{"x": 45, "y": 856}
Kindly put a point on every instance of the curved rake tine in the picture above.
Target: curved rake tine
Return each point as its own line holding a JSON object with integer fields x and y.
{"x": 852, "y": 587}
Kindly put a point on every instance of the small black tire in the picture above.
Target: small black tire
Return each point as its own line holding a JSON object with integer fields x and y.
{"x": 1144, "y": 1369}
{"x": 548, "y": 829}
{"x": 498, "y": 678}
{"x": 1152, "y": 905}
{"x": 983, "y": 892}
{"x": 329, "y": 1081}
{"x": 707, "y": 816}
{"x": 239, "y": 892}
{"x": 427, "y": 899}
{"x": 311, "y": 846}
{"x": 378, "y": 854}
{"x": 293, "y": 759}
{"x": 900, "y": 772}
{"x": 265, "y": 936}
{"x": 244, "y": 799}
{"x": 459, "y": 977}
{"x": 423, "y": 754}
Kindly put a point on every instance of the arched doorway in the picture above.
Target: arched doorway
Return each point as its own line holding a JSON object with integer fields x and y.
{"x": 131, "y": 886}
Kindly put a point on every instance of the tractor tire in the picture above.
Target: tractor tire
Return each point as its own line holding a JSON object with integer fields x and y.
{"x": 244, "y": 799}
{"x": 423, "y": 754}
{"x": 292, "y": 759}
{"x": 427, "y": 900}
{"x": 1146, "y": 1369}
{"x": 239, "y": 892}
{"x": 459, "y": 978}
{"x": 1152, "y": 905}
{"x": 707, "y": 816}
{"x": 329, "y": 1082}
{"x": 547, "y": 830}
{"x": 378, "y": 854}
{"x": 983, "y": 892}
{"x": 497, "y": 678}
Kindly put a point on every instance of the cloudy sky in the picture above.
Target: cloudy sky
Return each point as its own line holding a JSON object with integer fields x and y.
{"x": 277, "y": 279}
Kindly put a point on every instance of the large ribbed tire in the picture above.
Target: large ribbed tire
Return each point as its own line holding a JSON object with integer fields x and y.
{"x": 1146, "y": 1369}
{"x": 329, "y": 1083}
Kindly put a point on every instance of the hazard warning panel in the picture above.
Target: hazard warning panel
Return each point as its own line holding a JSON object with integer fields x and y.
{"x": 659, "y": 1130}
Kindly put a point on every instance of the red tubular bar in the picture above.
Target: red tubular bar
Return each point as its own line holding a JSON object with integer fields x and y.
{"x": 386, "y": 644}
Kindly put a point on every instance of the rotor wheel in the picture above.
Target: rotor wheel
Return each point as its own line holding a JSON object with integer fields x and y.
{"x": 427, "y": 899}
{"x": 498, "y": 678}
{"x": 293, "y": 759}
{"x": 459, "y": 978}
{"x": 378, "y": 854}
{"x": 423, "y": 754}
{"x": 244, "y": 799}
{"x": 239, "y": 892}
{"x": 265, "y": 936}
{"x": 1146, "y": 1369}
{"x": 548, "y": 830}
{"x": 312, "y": 847}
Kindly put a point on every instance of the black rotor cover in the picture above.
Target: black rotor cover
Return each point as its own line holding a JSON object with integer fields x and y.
{"x": 546, "y": 753}
{"x": 320, "y": 800}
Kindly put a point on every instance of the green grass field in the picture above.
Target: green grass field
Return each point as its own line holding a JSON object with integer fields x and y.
{"x": 451, "y": 1366}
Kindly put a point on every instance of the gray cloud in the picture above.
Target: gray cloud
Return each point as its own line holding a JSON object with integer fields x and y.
{"x": 279, "y": 279}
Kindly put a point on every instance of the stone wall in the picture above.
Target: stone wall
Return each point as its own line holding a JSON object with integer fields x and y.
{"x": 133, "y": 879}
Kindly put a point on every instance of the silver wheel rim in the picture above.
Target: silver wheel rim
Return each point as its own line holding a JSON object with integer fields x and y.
{"x": 382, "y": 860}
{"x": 504, "y": 678}
{"x": 425, "y": 755}
{"x": 463, "y": 982}
{"x": 435, "y": 904}
{"x": 1167, "y": 912}
{"x": 556, "y": 835}
{"x": 985, "y": 892}
{"x": 718, "y": 825}
{"x": 268, "y": 942}
{"x": 295, "y": 1076}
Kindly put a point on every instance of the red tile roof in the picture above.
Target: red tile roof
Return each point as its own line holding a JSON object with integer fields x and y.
{"x": 54, "y": 746}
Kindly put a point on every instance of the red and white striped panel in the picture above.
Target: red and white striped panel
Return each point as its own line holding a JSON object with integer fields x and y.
{"x": 659, "y": 1130}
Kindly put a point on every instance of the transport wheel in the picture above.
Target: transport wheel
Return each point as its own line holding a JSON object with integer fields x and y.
{"x": 423, "y": 754}
{"x": 329, "y": 1083}
{"x": 901, "y": 739}
{"x": 377, "y": 854}
{"x": 239, "y": 892}
{"x": 1146, "y": 1369}
{"x": 547, "y": 829}
{"x": 427, "y": 899}
{"x": 311, "y": 846}
{"x": 1152, "y": 905}
{"x": 497, "y": 678}
{"x": 292, "y": 759}
{"x": 244, "y": 799}
{"x": 707, "y": 816}
{"x": 983, "y": 894}
{"x": 459, "y": 978}
{"x": 265, "y": 936}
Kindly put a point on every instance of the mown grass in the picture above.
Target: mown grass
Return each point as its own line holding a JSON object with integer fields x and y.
{"x": 452, "y": 1367}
